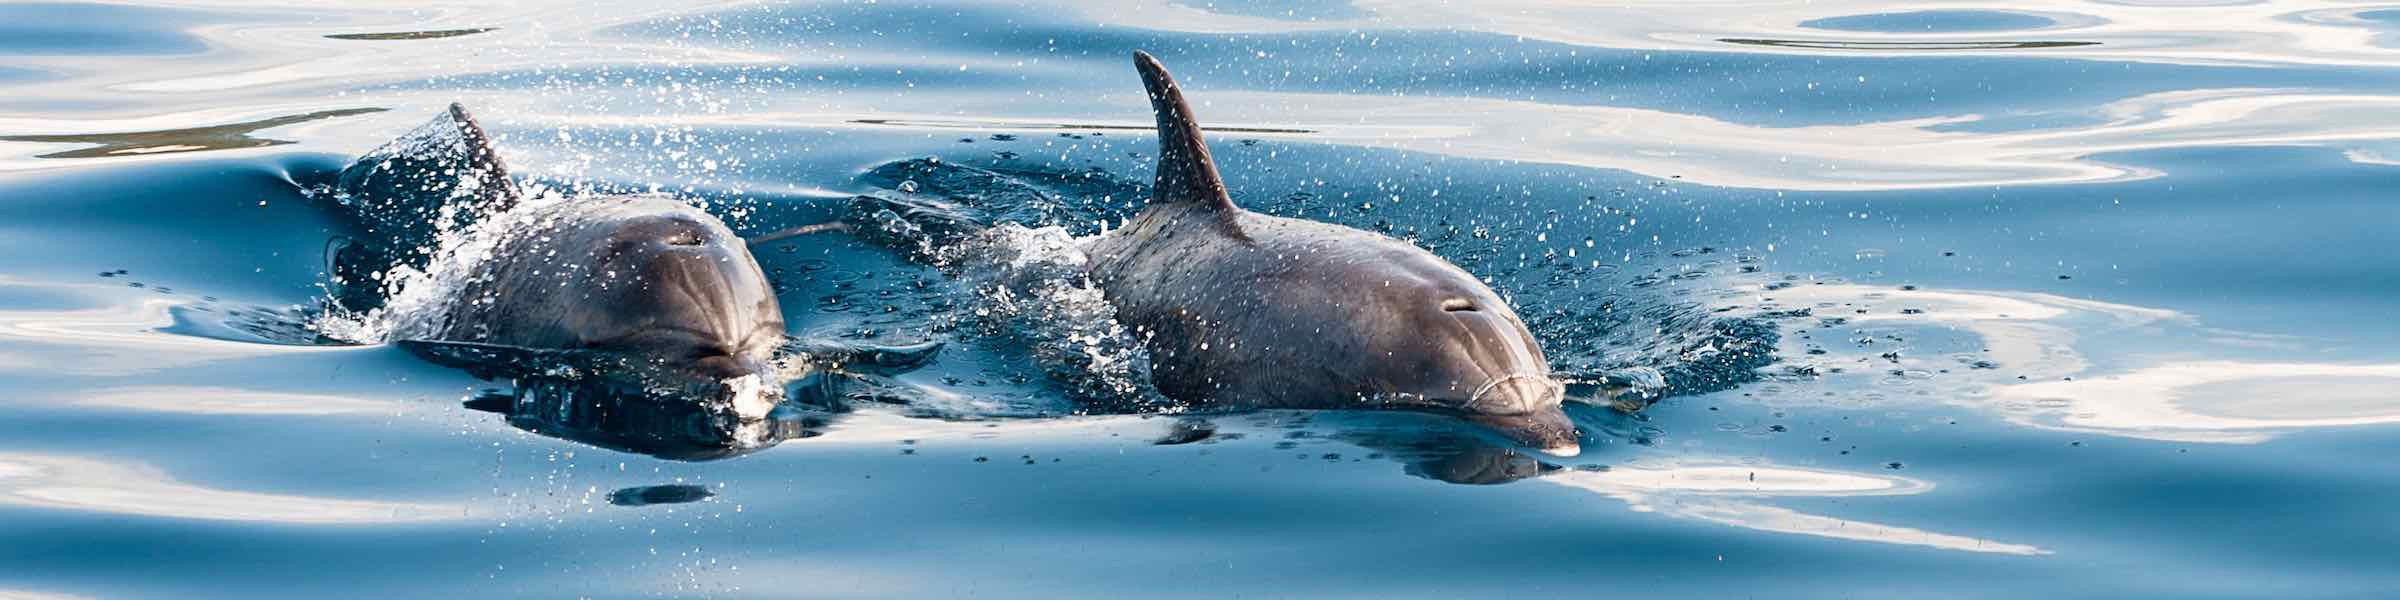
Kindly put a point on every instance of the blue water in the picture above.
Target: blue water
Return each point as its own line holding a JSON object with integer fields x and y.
{"x": 2083, "y": 299}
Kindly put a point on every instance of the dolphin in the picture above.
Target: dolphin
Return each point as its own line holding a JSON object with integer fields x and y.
{"x": 643, "y": 289}
{"x": 1243, "y": 309}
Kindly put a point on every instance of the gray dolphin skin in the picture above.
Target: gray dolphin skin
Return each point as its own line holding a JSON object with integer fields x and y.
{"x": 643, "y": 286}
{"x": 639, "y": 276}
{"x": 1244, "y": 309}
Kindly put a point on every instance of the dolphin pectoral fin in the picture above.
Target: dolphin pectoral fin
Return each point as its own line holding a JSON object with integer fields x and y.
{"x": 1186, "y": 174}
{"x": 1548, "y": 430}
{"x": 861, "y": 357}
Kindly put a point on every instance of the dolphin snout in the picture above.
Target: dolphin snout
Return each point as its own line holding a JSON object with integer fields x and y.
{"x": 1548, "y": 430}
{"x": 1527, "y": 408}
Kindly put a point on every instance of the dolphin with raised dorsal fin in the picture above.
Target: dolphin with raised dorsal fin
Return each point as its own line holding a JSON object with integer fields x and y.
{"x": 641, "y": 289}
{"x": 1243, "y": 309}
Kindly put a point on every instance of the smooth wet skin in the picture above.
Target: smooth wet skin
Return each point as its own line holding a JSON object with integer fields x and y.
{"x": 637, "y": 275}
{"x": 1244, "y": 309}
{"x": 659, "y": 288}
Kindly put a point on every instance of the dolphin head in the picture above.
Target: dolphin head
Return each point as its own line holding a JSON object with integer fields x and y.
{"x": 1449, "y": 344}
{"x": 673, "y": 287}
{"x": 662, "y": 294}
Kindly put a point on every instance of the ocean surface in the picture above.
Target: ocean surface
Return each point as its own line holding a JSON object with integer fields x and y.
{"x": 2047, "y": 298}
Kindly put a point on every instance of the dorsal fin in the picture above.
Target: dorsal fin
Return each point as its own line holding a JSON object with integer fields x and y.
{"x": 496, "y": 192}
{"x": 439, "y": 177}
{"x": 1186, "y": 175}
{"x": 402, "y": 187}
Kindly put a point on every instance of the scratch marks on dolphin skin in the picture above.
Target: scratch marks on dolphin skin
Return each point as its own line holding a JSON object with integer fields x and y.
{"x": 167, "y": 141}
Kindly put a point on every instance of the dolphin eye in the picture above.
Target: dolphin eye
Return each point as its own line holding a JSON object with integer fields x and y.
{"x": 1458, "y": 305}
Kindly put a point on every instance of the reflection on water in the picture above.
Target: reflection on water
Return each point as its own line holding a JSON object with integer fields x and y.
{"x": 9, "y": 594}
{"x": 1937, "y": 21}
{"x": 1714, "y": 493}
{"x": 206, "y": 400}
{"x": 1906, "y": 154}
{"x": 659, "y": 494}
{"x": 1888, "y": 46}
{"x": 217, "y": 137}
{"x": 70, "y": 483}
{"x": 2030, "y": 362}
{"x": 627, "y": 417}
{"x": 996, "y": 124}
{"x": 2165, "y": 32}
{"x": 1721, "y": 493}
{"x": 411, "y": 35}
{"x": 106, "y": 333}
{"x": 2214, "y": 401}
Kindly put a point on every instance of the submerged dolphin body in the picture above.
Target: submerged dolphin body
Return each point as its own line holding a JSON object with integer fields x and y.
{"x": 643, "y": 290}
{"x": 1243, "y": 309}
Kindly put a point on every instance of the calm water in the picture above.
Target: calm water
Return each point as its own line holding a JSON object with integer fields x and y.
{"x": 2064, "y": 299}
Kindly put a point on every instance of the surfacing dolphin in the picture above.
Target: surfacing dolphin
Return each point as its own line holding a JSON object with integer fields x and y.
{"x": 643, "y": 290}
{"x": 1243, "y": 309}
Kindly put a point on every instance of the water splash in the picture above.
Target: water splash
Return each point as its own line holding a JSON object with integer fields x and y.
{"x": 1033, "y": 288}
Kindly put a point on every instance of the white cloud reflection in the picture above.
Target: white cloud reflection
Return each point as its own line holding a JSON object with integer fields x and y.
{"x": 258, "y": 69}
{"x": 1917, "y": 153}
{"x": 71, "y": 483}
{"x": 110, "y": 331}
{"x": 1885, "y": 155}
{"x": 1724, "y": 494}
{"x": 207, "y": 400}
{"x": 2045, "y": 379}
{"x": 2239, "y": 32}
{"x": 2220, "y": 401}
{"x": 6, "y": 594}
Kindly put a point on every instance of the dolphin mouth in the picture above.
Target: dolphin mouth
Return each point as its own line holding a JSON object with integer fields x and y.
{"x": 1548, "y": 430}
{"x": 1555, "y": 390}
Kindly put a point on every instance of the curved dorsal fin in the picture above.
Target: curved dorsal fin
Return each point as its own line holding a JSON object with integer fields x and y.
{"x": 1186, "y": 175}
{"x": 496, "y": 191}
